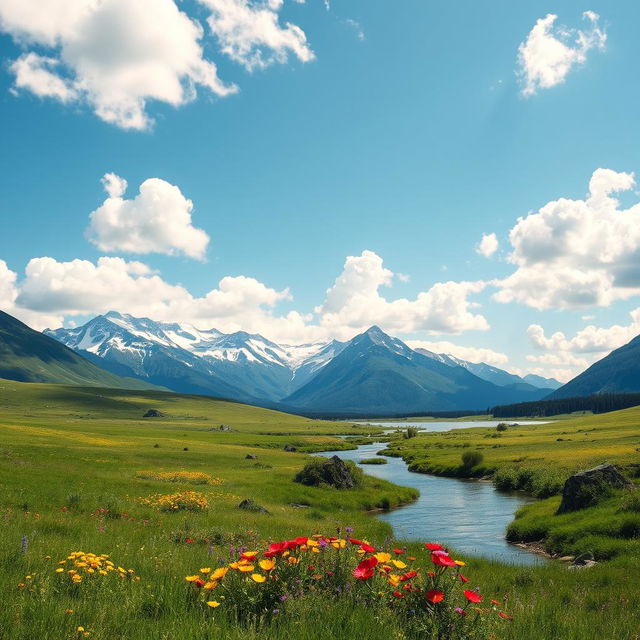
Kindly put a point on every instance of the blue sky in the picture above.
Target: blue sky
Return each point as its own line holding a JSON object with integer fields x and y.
{"x": 397, "y": 129}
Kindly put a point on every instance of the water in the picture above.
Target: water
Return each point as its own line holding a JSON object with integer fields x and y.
{"x": 468, "y": 515}
{"x": 436, "y": 425}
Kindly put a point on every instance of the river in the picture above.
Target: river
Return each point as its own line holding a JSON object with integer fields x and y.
{"x": 470, "y": 516}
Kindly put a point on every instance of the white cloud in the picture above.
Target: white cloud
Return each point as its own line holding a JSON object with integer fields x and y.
{"x": 55, "y": 291}
{"x": 584, "y": 348}
{"x": 115, "y": 55}
{"x": 249, "y": 32}
{"x": 488, "y": 245}
{"x": 577, "y": 253}
{"x": 471, "y": 354}
{"x": 357, "y": 27}
{"x": 157, "y": 220}
{"x": 8, "y": 291}
{"x": 550, "y": 52}
{"x": 354, "y": 303}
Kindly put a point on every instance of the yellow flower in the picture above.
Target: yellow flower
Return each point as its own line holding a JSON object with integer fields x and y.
{"x": 382, "y": 557}
{"x": 312, "y": 543}
{"x": 256, "y": 577}
{"x": 192, "y": 578}
{"x": 460, "y": 563}
{"x": 399, "y": 564}
{"x": 205, "y": 570}
{"x": 267, "y": 565}
{"x": 246, "y": 568}
{"x": 213, "y": 604}
{"x": 59, "y": 570}
{"x": 79, "y": 629}
{"x": 68, "y": 610}
{"x": 219, "y": 573}
{"x": 210, "y": 585}
{"x": 250, "y": 555}
{"x": 292, "y": 560}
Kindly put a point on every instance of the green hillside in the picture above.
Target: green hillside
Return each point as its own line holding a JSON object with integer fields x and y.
{"x": 29, "y": 356}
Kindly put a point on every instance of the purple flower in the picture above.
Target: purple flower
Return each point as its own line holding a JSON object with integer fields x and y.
{"x": 276, "y": 612}
{"x": 460, "y": 611}
{"x": 283, "y": 598}
{"x": 322, "y": 542}
{"x": 349, "y": 529}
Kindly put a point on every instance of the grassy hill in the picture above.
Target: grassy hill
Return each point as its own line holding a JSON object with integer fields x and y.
{"x": 29, "y": 356}
{"x": 76, "y": 464}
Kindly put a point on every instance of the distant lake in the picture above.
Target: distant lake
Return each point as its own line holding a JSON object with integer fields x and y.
{"x": 469, "y": 515}
{"x": 443, "y": 425}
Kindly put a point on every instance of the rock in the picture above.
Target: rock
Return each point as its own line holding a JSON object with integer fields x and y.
{"x": 297, "y": 505}
{"x": 290, "y": 448}
{"x": 583, "y": 561}
{"x": 567, "y": 558}
{"x": 332, "y": 472}
{"x": 250, "y": 456}
{"x": 224, "y": 427}
{"x": 154, "y": 413}
{"x": 251, "y": 505}
{"x": 585, "y": 488}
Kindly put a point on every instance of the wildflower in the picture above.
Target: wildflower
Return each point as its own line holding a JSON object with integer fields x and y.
{"x": 213, "y": 604}
{"x": 460, "y": 611}
{"x": 364, "y": 570}
{"x": 502, "y": 614}
{"x": 368, "y": 548}
{"x": 463, "y": 578}
{"x": 433, "y": 547}
{"x": 205, "y": 570}
{"x": 256, "y": 577}
{"x": 275, "y": 612}
{"x": 383, "y": 557}
{"x": 408, "y": 576}
{"x": 398, "y": 564}
{"x": 495, "y": 602}
{"x": 192, "y": 578}
{"x": 472, "y": 596}
{"x": 220, "y": 573}
{"x": 354, "y": 541}
{"x": 442, "y": 559}
{"x": 398, "y": 594}
{"x": 434, "y": 596}
{"x": 398, "y": 551}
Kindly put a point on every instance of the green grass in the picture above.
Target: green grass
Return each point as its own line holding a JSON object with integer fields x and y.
{"x": 373, "y": 461}
{"x": 69, "y": 465}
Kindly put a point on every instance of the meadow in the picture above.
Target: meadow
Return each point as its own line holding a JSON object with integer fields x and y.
{"x": 83, "y": 473}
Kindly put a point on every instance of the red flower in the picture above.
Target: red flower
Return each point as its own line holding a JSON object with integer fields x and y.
{"x": 442, "y": 559}
{"x": 189, "y": 541}
{"x": 362, "y": 573}
{"x": 463, "y": 578}
{"x": 407, "y": 587}
{"x": 472, "y": 596}
{"x": 398, "y": 551}
{"x": 434, "y": 596}
{"x": 433, "y": 547}
{"x": 354, "y": 541}
{"x": 368, "y": 548}
{"x": 302, "y": 540}
{"x": 199, "y": 583}
{"x": 431, "y": 574}
{"x": 407, "y": 576}
{"x": 504, "y": 615}
{"x": 368, "y": 563}
{"x": 494, "y": 602}
{"x": 398, "y": 594}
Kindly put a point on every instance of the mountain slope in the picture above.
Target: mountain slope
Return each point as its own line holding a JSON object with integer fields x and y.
{"x": 495, "y": 375}
{"x": 377, "y": 374}
{"x": 619, "y": 372}
{"x": 29, "y": 356}
{"x": 151, "y": 351}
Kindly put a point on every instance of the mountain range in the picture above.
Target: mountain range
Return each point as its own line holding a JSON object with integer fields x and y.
{"x": 28, "y": 356}
{"x": 371, "y": 374}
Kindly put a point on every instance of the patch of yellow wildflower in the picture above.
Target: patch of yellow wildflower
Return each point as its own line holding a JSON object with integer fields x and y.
{"x": 180, "y": 501}
{"x": 80, "y": 566}
{"x": 189, "y": 477}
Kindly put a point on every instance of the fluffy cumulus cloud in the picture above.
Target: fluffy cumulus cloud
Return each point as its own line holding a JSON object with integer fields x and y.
{"x": 471, "y": 354}
{"x": 156, "y": 220}
{"x": 550, "y": 51}
{"x": 8, "y": 291}
{"x": 577, "y": 253}
{"x": 118, "y": 55}
{"x": 354, "y": 302}
{"x": 576, "y": 353}
{"x": 250, "y": 33}
{"x": 488, "y": 245}
{"x": 51, "y": 291}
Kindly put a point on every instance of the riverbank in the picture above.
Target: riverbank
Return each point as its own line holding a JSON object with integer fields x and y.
{"x": 537, "y": 459}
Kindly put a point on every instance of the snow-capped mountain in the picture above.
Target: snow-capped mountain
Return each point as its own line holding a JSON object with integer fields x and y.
{"x": 239, "y": 365}
{"x": 493, "y": 374}
{"x": 356, "y": 375}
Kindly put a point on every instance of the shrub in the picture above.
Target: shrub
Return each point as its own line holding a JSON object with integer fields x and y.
{"x": 317, "y": 473}
{"x": 471, "y": 459}
{"x": 411, "y": 432}
{"x": 373, "y": 461}
{"x": 502, "y": 426}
